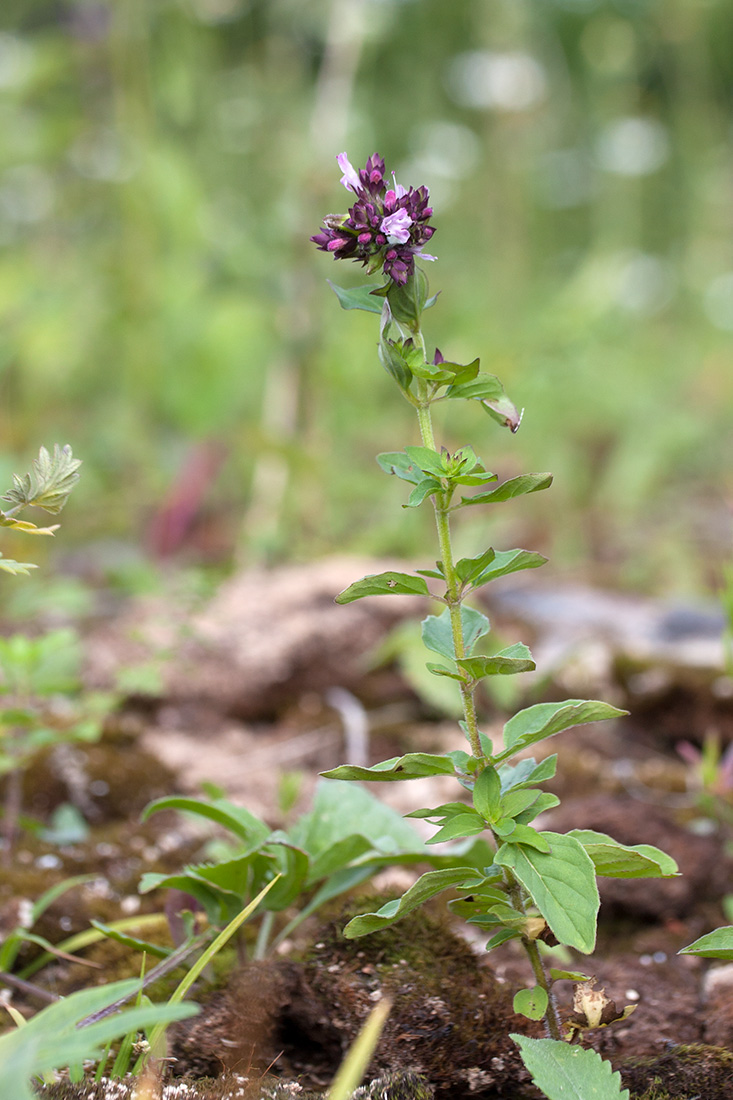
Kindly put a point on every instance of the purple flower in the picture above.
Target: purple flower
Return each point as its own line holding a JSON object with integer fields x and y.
{"x": 386, "y": 227}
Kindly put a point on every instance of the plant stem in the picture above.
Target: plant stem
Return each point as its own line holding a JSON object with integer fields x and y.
{"x": 453, "y": 598}
{"x": 452, "y": 580}
{"x": 552, "y": 1019}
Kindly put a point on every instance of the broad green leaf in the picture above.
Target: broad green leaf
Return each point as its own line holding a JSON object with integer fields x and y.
{"x": 437, "y": 631}
{"x": 213, "y": 899}
{"x": 506, "y": 562}
{"x": 565, "y": 1072}
{"x": 384, "y": 584}
{"x": 527, "y": 772}
{"x": 614, "y": 860}
{"x": 344, "y": 823}
{"x": 397, "y": 462}
{"x": 466, "y": 824}
{"x": 234, "y": 818}
{"x": 715, "y": 945}
{"x": 525, "y": 834}
{"x": 513, "y": 803}
{"x": 507, "y": 662}
{"x": 545, "y": 801}
{"x": 357, "y": 297}
{"x": 561, "y": 883}
{"x": 414, "y": 765}
{"x": 487, "y": 794}
{"x": 515, "y": 487}
{"x": 426, "y": 887}
{"x": 485, "y": 387}
{"x": 502, "y": 936}
{"x": 546, "y": 719}
{"x": 531, "y": 1003}
{"x": 423, "y": 489}
{"x": 427, "y": 460}
{"x": 470, "y": 568}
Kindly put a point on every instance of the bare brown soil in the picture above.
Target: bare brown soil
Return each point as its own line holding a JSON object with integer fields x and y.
{"x": 245, "y": 700}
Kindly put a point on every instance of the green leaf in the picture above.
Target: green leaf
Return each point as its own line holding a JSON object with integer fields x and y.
{"x": 513, "y": 803}
{"x": 437, "y": 631}
{"x": 441, "y": 670}
{"x": 487, "y": 794}
{"x": 467, "y": 823}
{"x": 423, "y": 489}
{"x": 407, "y": 302}
{"x": 487, "y": 389}
{"x": 53, "y": 1039}
{"x": 614, "y": 860}
{"x": 7, "y": 565}
{"x": 393, "y": 361}
{"x": 507, "y": 662}
{"x": 426, "y": 887}
{"x": 49, "y": 483}
{"x": 545, "y": 801}
{"x": 397, "y": 462}
{"x": 715, "y": 945}
{"x": 414, "y": 765}
{"x": 506, "y": 562}
{"x": 344, "y": 823}
{"x": 546, "y": 719}
{"x": 234, "y": 818}
{"x": 384, "y": 584}
{"x": 561, "y": 883}
{"x": 427, "y": 460}
{"x": 569, "y": 975}
{"x": 515, "y": 487}
{"x": 470, "y": 568}
{"x": 130, "y": 941}
{"x": 565, "y": 1072}
{"x": 531, "y": 1003}
{"x": 525, "y": 834}
{"x": 357, "y": 297}
{"x": 502, "y": 936}
{"x": 527, "y": 772}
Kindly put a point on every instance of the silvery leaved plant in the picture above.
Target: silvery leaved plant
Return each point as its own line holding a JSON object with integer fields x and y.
{"x": 523, "y": 883}
{"x": 47, "y": 485}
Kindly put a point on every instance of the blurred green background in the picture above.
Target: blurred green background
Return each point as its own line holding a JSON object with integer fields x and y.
{"x": 162, "y": 165}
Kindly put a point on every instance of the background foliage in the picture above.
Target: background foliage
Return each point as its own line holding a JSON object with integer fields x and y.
{"x": 163, "y": 162}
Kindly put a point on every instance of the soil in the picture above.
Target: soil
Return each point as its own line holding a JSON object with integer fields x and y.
{"x": 246, "y": 697}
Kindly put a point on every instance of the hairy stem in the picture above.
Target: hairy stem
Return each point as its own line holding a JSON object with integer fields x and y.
{"x": 452, "y": 580}
{"x": 453, "y": 597}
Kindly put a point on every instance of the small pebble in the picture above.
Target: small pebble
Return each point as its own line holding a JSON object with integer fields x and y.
{"x": 48, "y": 862}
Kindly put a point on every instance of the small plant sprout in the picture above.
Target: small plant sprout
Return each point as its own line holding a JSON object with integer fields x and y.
{"x": 535, "y": 886}
{"x": 46, "y": 486}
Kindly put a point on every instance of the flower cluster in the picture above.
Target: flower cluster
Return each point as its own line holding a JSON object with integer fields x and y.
{"x": 386, "y": 227}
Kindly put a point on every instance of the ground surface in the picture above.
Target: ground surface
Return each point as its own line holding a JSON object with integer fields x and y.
{"x": 247, "y": 696}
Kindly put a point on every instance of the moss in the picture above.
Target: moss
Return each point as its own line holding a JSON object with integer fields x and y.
{"x": 697, "y": 1070}
{"x": 450, "y": 1017}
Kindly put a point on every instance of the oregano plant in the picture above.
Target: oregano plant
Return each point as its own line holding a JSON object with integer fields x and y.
{"x": 533, "y": 885}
